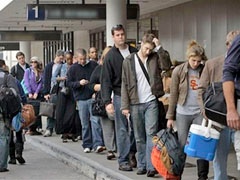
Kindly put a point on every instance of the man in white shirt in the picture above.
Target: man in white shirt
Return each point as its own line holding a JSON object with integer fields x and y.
{"x": 141, "y": 87}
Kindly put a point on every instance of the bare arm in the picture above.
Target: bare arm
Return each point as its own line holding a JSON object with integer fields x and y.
{"x": 233, "y": 119}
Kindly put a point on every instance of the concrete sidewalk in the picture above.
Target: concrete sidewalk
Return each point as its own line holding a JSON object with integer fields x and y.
{"x": 96, "y": 166}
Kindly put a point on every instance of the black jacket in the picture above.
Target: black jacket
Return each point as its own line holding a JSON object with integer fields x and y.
{"x": 111, "y": 76}
{"x": 18, "y": 72}
{"x": 75, "y": 74}
{"x": 47, "y": 78}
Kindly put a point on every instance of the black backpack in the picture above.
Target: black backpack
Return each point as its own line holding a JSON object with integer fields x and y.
{"x": 173, "y": 155}
{"x": 214, "y": 103}
{"x": 10, "y": 103}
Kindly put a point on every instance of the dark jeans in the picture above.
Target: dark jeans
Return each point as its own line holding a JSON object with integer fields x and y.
{"x": 16, "y": 144}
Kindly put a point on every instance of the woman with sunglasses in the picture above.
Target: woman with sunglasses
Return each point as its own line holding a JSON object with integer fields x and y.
{"x": 33, "y": 81}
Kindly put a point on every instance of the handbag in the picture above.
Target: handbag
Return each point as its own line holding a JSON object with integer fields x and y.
{"x": 98, "y": 107}
{"x": 28, "y": 115}
{"x": 47, "y": 108}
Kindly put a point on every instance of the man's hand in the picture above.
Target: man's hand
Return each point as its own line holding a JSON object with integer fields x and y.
{"x": 156, "y": 42}
{"x": 47, "y": 97}
{"x": 233, "y": 120}
{"x": 83, "y": 82}
{"x": 110, "y": 109}
{"x": 126, "y": 112}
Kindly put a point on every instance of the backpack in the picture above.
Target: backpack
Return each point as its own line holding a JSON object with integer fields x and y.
{"x": 214, "y": 103}
{"x": 10, "y": 102}
{"x": 172, "y": 155}
{"x": 28, "y": 115}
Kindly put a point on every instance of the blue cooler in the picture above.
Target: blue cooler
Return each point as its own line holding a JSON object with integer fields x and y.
{"x": 202, "y": 141}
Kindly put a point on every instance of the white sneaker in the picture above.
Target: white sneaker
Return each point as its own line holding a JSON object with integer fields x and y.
{"x": 87, "y": 150}
{"x": 100, "y": 149}
{"x": 47, "y": 133}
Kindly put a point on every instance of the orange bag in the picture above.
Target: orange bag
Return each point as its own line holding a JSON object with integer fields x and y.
{"x": 28, "y": 114}
{"x": 159, "y": 166}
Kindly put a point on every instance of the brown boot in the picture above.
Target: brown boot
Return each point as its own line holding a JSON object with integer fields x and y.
{"x": 132, "y": 160}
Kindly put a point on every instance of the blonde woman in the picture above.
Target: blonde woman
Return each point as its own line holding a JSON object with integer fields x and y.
{"x": 183, "y": 98}
{"x": 108, "y": 125}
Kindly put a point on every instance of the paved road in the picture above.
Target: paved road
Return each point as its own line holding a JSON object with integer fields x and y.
{"x": 40, "y": 166}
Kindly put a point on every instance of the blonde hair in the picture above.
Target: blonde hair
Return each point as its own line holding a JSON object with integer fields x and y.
{"x": 231, "y": 36}
{"x": 105, "y": 51}
{"x": 194, "y": 49}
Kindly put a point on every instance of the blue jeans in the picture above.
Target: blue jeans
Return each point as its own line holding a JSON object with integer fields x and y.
{"x": 91, "y": 133}
{"x": 221, "y": 155}
{"x": 125, "y": 140}
{"x": 4, "y": 144}
{"x": 145, "y": 125}
{"x": 50, "y": 123}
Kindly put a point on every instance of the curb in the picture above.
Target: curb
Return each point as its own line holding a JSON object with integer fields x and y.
{"x": 86, "y": 166}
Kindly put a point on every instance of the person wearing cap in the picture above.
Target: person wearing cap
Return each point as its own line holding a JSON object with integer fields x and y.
{"x": 33, "y": 81}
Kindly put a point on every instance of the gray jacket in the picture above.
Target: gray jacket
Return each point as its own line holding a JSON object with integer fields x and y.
{"x": 129, "y": 93}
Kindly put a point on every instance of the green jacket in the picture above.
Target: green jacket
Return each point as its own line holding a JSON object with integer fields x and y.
{"x": 129, "y": 93}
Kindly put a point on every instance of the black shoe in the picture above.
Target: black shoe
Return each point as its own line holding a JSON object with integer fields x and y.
{"x": 20, "y": 159}
{"x": 141, "y": 171}
{"x": 132, "y": 160}
{"x": 110, "y": 155}
{"x": 74, "y": 139}
{"x": 12, "y": 161}
{"x": 4, "y": 170}
{"x": 125, "y": 167}
{"x": 64, "y": 138}
{"x": 151, "y": 173}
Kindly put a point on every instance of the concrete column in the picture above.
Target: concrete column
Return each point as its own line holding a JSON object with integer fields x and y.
{"x": 25, "y": 47}
{"x": 116, "y": 14}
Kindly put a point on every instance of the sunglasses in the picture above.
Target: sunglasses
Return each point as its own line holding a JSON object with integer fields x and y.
{"x": 33, "y": 61}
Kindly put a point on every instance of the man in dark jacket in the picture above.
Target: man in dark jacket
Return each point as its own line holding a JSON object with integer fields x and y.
{"x": 9, "y": 81}
{"x": 19, "y": 69}
{"x": 78, "y": 78}
{"x": 18, "y": 72}
{"x": 111, "y": 82}
{"x": 49, "y": 82}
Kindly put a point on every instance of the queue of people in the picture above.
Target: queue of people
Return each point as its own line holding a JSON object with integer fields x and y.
{"x": 129, "y": 84}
